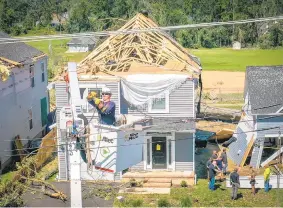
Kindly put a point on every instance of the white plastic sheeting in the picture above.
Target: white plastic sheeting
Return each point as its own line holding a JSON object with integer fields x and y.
{"x": 139, "y": 88}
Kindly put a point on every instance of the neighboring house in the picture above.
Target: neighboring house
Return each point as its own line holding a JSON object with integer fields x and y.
{"x": 23, "y": 95}
{"x": 258, "y": 132}
{"x": 83, "y": 44}
{"x": 169, "y": 141}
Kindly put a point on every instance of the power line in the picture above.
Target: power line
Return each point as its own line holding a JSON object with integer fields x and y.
{"x": 175, "y": 122}
{"x": 258, "y": 130}
{"x": 131, "y": 31}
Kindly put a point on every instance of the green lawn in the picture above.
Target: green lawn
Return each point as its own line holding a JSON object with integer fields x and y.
{"x": 58, "y": 49}
{"x": 223, "y": 59}
{"x": 212, "y": 59}
{"x": 201, "y": 196}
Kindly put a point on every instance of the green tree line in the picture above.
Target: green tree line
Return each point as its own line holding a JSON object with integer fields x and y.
{"x": 23, "y": 16}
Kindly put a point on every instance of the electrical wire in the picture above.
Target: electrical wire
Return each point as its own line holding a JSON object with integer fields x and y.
{"x": 131, "y": 31}
{"x": 258, "y": 130}
{"x": 175, "y": 122}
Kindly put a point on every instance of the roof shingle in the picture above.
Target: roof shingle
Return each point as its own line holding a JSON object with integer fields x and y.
{"x": 18, "y": 52}
{"x": 264, "y": 87}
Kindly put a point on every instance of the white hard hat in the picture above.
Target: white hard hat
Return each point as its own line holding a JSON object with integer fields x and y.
{"x": 106, "y": 90}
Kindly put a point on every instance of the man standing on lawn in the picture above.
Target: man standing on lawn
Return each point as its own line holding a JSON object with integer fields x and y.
{"x": 235, "y": 183}
{"x": 212, "y": 172}
{"x": 266, "y": 175}
{"x": 224, "y": 161}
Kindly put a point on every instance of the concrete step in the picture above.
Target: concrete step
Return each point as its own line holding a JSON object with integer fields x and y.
{"x": 158, "y": 180}
{"x": 157, "y": 185}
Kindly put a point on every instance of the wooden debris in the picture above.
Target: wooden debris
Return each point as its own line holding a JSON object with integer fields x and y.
{"x": 119, "y": 52}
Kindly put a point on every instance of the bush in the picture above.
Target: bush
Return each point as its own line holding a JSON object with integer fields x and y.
{"x": 163, "y": 203}
{"x": 186, "y": 202}
{"x": 136, "y": 202}
{"x": 16, "y": 30}
{"x": 264, "y": 42}
{"x": 184, "y": 184}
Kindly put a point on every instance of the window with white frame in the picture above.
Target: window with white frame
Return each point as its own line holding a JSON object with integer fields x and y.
{"x": 31, "y": 75}
{"x": 84, "y": 91}
{"x": 30, "y": 119}
{"x": 42, "y": 72}
{"x": 159, "y": 105}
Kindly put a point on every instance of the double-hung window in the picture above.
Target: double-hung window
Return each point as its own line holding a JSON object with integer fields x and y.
{"x": 159, "y": 105}
{"x": 85, "y": 89}
{"x": 31, "y": 75}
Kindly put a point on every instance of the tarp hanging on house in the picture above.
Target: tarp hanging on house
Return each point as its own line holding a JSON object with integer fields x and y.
{"x": 139, "y": 88}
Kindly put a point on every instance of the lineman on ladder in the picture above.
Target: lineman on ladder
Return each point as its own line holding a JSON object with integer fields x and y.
{"x": 105, "y": 107}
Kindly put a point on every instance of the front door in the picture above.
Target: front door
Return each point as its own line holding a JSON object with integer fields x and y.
{"x": 159, "y": 156}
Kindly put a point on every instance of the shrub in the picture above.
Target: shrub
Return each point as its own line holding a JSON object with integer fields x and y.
{"x": 163, "y": 203}
{"x": 184, "y": 184}
{"x": 185, "y": 202}
{"x": 136, "y": 202}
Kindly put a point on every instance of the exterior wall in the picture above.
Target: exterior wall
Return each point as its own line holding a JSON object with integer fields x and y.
{"x": 184, "y": 151}
{"x": 16, "y": 98}
{"x": 113, "y": 86}
{"x": 182, "y": 154}
{"x": 62, "y": 99}
{"x": 263, "y": 122}
{"x": 78, "y": 48}
{"x": 181, "y": 103}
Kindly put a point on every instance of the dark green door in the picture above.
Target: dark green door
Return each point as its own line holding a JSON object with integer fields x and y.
{"x": 43, "y": 104}
{"x": 159, "y": 159}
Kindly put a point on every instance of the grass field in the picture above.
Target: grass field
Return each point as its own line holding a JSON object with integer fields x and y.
{"x": 201, "y": 196}
{"x": 58, "y": 49}
{"x": 223, "y": 59}
{"x": 220, "y": 59}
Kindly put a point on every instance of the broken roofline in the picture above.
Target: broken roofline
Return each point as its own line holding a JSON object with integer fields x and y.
{"x": 149, "y": 48}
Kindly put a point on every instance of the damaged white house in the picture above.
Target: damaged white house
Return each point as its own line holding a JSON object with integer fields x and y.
{"x": 154, "y": 84}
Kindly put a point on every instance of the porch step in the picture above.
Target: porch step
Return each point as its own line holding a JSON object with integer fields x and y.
{"x": 157, "y": 185}
{"x": 158, "y": 180}
{"x": 161, "y": 174}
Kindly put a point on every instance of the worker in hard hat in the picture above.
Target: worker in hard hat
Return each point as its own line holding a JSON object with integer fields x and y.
{"x": 105, "y": 107}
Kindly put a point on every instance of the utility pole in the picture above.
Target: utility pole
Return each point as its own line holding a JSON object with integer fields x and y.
{"x": 233, "y": 19}
{"x": 75, "y": 158}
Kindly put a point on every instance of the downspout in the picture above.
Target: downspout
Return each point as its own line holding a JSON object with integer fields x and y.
{"x": 200, "y": 95}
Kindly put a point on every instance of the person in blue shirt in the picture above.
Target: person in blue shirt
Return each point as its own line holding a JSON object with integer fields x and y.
{"x": 105, "y": 107}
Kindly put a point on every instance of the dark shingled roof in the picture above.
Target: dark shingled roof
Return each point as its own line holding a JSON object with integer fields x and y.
{"x": 172, "y": 124}
{"x": 264, "y": 85}
{"x": 18, "y": 52}
{"x": 83, "y": 41}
